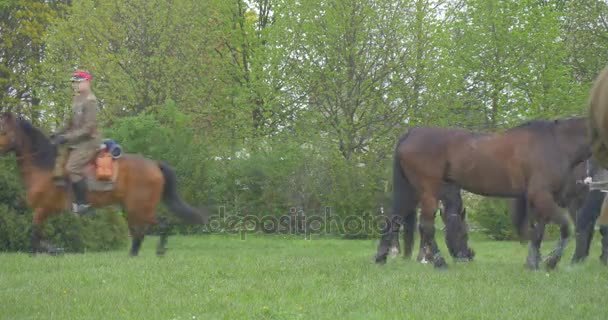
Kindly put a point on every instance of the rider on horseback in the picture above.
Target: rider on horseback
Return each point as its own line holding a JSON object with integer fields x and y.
{"x": 80, "y": 134}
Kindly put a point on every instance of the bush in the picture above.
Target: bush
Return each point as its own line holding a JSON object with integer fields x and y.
{"x": 493, "y": 215}
{"x": 106, "y": 230}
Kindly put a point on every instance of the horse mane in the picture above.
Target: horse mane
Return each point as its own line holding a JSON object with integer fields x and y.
{"x": 545, "y": 125}
{"x": 43, "y": 152}
{"x": 536, "y": 124}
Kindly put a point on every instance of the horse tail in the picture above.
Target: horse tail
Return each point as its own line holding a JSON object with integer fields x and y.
{"x": 172, "y": 199}
{"x": 519, "y": 215}
{"x": 404, "y": 202}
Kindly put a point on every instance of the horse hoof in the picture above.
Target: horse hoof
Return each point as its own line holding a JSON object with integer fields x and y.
{"x": 380, "y": 259}
{"x": 551, "y": 262}
{"x": 532, "y": 264}
{"x": 463, "y": 259}
{"x": 161, "y": 252}
{"x": 55, "y": 251}
{"x": 439, "y": 263}
{"x": 576, "y": 260}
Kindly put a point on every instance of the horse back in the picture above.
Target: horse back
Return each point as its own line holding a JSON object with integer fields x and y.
{"x": 137, "y": 170}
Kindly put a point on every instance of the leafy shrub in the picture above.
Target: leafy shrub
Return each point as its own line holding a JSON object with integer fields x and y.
{"x": 493, "y": 215}
{"x": 106, "y": 230}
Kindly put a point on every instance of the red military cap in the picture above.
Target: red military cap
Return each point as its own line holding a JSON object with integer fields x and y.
{"x": 81, "y": 76}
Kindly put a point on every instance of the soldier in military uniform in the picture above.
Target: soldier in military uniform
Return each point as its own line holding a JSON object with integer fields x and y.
{"x": 593, "y": 211}
{"x": 81, "y": 137}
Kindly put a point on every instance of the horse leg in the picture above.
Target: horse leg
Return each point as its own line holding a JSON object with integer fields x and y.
{"x": 427, "y": 216}
{"x": 549, "y": 211}
{"x": 389, "y": 233}
{"x": 40, "y": 216}
{"x": 424, "y": 255}
{"x": 137, "y": 235}
{"x": 456, "y": 236}
{"x": 409, "y": 231}
{"x": 557, "y": 253}
{"x": 163, "y": 225}
{"x": 538, "y": 230}
{"x": 395, "y": 247}
{"x": 36, "y": 238}
{"x": 585, "y": 222}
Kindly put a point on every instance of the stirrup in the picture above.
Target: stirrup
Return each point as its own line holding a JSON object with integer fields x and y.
{"x": 60, "y": 181}
{"x": 80, "y": 208}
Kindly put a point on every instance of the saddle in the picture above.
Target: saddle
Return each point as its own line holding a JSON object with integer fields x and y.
{"x": 100, "y": 173}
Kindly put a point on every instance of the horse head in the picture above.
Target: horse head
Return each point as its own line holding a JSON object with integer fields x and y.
{"x": 20, "y": 136}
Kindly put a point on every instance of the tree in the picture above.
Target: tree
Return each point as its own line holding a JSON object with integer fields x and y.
{"x": 506, "y": 63}
{"x": 23, "y": 28}
{"x": 353, "y": 69}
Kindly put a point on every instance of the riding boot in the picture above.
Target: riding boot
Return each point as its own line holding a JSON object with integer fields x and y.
{"x": 583, "y": 242}
{"x": 80, "y": 206}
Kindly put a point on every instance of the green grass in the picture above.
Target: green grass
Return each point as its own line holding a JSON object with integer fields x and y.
{"x": 275, "y": 277}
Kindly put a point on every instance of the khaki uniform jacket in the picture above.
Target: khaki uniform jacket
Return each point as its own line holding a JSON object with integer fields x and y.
{"x": 82, "y": 132}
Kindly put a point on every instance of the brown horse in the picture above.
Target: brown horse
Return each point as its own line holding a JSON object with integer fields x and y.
{"x": 139, "y": 185}
{"x": 532, "y": 159}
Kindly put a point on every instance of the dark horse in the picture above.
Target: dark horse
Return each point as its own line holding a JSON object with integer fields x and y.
{"x": 583, "y": 205}
{"x": 140, "y": 185}
{"x": 532, "y": 159}
{"x": 454, "y": 219}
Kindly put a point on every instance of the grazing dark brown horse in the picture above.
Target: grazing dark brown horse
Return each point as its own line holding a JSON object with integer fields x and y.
{"x": 532, "y": 159}
{"x": 139, "y": 185}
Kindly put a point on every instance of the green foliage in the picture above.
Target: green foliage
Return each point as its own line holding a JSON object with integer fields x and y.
{"x": 105, "y": 231}
{"x": 493, "y": 215}
{"x": 15, "y": 230}
{"x": 267, "y": 105}
{"x": 23, "y": 29}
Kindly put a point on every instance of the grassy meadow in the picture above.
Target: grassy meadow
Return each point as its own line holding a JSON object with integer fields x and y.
{"x": 287, "y": 277}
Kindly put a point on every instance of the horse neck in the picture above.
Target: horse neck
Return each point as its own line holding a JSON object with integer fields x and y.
{"x": 24, "y": 164}
{"x": 574, "y": 141}
{"x": 29, "y": 172}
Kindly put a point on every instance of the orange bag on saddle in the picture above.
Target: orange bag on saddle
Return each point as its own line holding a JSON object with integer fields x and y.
{"x": 103, "y": 166}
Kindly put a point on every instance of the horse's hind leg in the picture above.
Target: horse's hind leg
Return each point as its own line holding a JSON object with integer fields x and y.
{"x": 534, "y": 257}
{"x": 137, "y": 237}
{"x": 409, "y": 231}
{"x": 548, "y": 210}
{"x": 389, "y": 232}
{"x": 163, "y": 229}
{"x": 429, "y": 205}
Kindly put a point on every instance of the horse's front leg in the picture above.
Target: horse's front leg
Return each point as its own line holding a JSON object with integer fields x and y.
{"x": 36, "y": 236}
{"x": 38, "y": 221}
